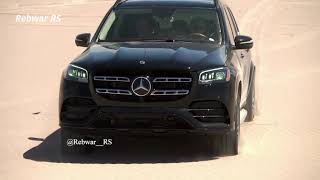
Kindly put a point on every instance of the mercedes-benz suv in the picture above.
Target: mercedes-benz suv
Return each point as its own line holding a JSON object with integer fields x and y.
{"x": 161, "y": 66}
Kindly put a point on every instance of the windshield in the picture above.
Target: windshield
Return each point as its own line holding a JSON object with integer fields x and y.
{"x": 161, "y": 24}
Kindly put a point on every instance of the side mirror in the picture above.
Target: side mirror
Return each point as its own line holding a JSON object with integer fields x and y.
{"x": 243, "y": 42}
{"x": 83, "y": 39}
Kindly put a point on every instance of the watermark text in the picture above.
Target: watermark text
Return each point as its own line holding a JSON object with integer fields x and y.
{"x": 38, "y": 18}
{"x": 86, "y": 142}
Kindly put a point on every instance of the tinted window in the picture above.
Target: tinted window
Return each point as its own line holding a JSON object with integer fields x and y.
{"x": 139, "y": 24}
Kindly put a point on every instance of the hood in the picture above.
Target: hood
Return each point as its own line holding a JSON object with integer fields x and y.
{"x": 151, "y": 56}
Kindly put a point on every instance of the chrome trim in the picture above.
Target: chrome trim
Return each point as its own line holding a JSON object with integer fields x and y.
{"x": 113, "y": 91}
{"x": 248, "y": 42}
{"x": 213, "y": 116}
{"x": 202, "y": 109}
{"x": 111, "y": 78}
{"x": 141, "y": 86}
{"x": 169, "y": 92}
{"x": 171, "y": 79}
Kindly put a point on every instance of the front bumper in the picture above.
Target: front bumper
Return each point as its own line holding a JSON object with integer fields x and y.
{"x": 124, "y": 119}
{"x": 103, "y": 115}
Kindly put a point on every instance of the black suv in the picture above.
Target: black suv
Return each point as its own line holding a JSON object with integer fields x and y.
{"x": 161, "y": 66}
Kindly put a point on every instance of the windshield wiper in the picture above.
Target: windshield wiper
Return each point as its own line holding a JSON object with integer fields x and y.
{"x": 165, "y": 40}
{"x": 150, "y": 40}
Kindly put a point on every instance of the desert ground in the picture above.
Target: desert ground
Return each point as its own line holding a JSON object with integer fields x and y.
{"x": 282, "y": 143}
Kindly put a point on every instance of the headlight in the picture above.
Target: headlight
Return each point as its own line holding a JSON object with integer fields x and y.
{"x": 77, "y": 73}
{"x": 214, "y": 75}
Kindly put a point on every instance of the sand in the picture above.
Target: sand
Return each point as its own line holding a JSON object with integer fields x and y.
{"x": 281, "y": 143}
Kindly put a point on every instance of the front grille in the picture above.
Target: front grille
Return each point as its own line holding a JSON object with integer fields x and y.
{"x": 210, "y": 112}
{"x": 119, "y": 88}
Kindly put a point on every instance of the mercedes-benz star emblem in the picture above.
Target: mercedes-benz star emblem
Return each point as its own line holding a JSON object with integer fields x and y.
{"x": 141, "y": 86}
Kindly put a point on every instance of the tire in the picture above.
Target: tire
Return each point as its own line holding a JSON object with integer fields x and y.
{"x": 250, "y": 103}
{"x": 69, "y": 149}
{"x": 226, "y": 144}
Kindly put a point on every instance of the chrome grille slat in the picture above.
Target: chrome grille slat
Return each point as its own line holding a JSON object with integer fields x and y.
{"x": 113, "y": 91}
{"x": 171, "y": 79}
{"x": 111, "y": 78}
{"x": 169, "y": 92}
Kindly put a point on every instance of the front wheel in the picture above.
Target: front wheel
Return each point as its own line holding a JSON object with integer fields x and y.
{"x": 250, "y": 103}
{"x": 227, "y": 144}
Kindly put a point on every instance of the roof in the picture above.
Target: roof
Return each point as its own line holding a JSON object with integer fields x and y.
{"x": 184, "y": 3}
